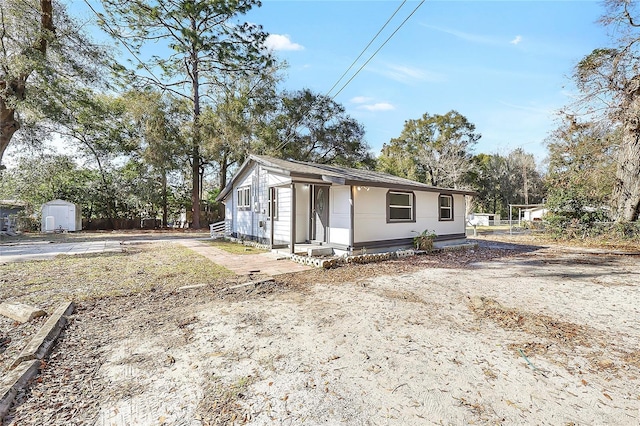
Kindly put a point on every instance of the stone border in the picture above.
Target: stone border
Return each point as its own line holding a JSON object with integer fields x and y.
{"x": 26, "y": 366}
{"x": 16, "y": 380}
{"x": 20, "y": 312}
{"x": 329, "y": 262}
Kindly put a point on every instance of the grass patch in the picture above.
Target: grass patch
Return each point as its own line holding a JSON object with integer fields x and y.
{"x": 236, "y": 248}
{"x": 139, "y": 268}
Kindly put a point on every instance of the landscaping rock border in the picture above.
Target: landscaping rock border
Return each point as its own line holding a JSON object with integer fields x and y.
{"x": 27, "y": 364}
{"x": 330, "y": 262}
{"x": 20, "y": 312}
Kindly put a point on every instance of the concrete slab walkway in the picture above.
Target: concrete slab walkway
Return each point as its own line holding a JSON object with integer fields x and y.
{"x": 47, "y": 250}
{"x": 242, "y": 264}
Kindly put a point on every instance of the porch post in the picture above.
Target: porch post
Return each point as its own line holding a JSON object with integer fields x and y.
{"x": 292, "y": 222}
{"x": 351, "y": 212}
{"x": 510, "y": 232}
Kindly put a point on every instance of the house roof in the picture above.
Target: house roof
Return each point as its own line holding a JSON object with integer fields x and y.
{"x": 12, "y": 203}
{"x": 334, "y": 175}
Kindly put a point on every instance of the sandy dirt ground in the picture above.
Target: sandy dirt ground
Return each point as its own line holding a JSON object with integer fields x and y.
{"x": 541, "y": 336}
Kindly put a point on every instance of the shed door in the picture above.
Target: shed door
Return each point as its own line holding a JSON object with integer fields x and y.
{"x": 320, "y": 213}
{"x": 61, "y": 214}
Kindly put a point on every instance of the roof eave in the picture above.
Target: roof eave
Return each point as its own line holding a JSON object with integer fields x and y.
{"x": 227, "y": 189}
{"x": 375, "y": 184}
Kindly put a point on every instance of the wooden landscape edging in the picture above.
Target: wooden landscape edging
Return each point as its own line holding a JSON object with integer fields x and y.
{"x": 27, "y": 364}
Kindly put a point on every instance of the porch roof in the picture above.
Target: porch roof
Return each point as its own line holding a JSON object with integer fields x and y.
{"x": 334, "y": 175}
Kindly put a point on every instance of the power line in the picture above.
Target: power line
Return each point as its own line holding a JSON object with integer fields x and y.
{"x": 297, "y": 123}
{"x": 367, "y": 47}
{"x": 376, "y": 52}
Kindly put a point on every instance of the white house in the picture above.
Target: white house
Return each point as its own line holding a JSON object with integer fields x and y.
{"x": 484, "y": 219}
{"x": 277, "y": 202}
{"x": 60, "y": 215}
{"x": 534, "y": 213}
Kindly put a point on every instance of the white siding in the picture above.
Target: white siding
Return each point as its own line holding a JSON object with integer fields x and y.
{"x": 281, "y": 225}
{"x": 370, "y": 216}
{"x": 261, "y": 203}
{"x": 243, "y": 219}
{"x": 340, "y": 215}
{"x": 278, "y": 180}
{"x": 302, "y": 212}
{"x": 252, "y": 222}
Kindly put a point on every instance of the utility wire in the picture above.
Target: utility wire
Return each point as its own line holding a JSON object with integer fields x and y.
{"x": 297, "y": 123}
{"x": 374, "y": 53}
{"x": 367, "y": 47}
{"x": 114, "y": 33}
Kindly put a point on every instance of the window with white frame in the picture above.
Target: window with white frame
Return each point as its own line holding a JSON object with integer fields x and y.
{"x": 244, "y": 198}
{"x": 400, "y": 206}
{"x": 446, "y": 207}
{"x": 273, "y": 203}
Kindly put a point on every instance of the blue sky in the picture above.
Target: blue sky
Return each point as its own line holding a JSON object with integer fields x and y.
{"x": 505, "y": 65}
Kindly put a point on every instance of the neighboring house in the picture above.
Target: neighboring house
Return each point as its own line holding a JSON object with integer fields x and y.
{"x": 277, "y": 201}
{"x": 484, "y": 219}
{"x": 60, "y": 215}
{"x": 536, "y": 213}
{"x": 8, "y": 211}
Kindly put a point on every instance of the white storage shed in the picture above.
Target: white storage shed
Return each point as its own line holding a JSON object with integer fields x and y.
{"x": 60, "y": 215}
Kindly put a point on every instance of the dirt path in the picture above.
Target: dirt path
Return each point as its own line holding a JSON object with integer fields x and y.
{"x": 539, "y": 338}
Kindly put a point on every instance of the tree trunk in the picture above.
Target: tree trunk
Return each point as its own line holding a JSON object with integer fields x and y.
{"x": 8, "y": 123}
{"x": 224, "y": 168}
{"x": 525, "y": 183}
{"x": 16, "y": 87}
{"x": 195, "y": 152}
{"x": 626, "y": 192}
{"x": 164, "y": 199}
{"x": 195, "y": 182}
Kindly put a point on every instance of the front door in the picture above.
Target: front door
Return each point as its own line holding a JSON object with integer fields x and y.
{"x": 320, "y": 213}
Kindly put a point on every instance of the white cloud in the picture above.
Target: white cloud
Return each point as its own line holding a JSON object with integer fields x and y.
{"x": 360, "y": 100}
{"x": 474, "y": 38}
{"x": 407, "y": 71}
{"x": 379, "y": 106}
{"x": 281, "y": 42}
{"x": 405, "y": 74}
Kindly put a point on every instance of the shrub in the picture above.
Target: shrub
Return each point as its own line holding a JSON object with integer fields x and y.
{"x": 424, "y": 241}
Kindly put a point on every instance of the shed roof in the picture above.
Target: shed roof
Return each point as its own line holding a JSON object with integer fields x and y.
{"x": 58, "y": 202}
{"x": 334, "y": 175}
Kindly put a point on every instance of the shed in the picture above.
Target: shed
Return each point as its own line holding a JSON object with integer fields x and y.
{"x": 60, "y": 215}
{"x": 534, "y": 213}
{"x": 484, "y": 219}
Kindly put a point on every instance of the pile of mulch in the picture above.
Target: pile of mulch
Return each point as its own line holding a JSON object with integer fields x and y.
{"x": 557, "y": 339}
{"x": 540, "y": 325}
